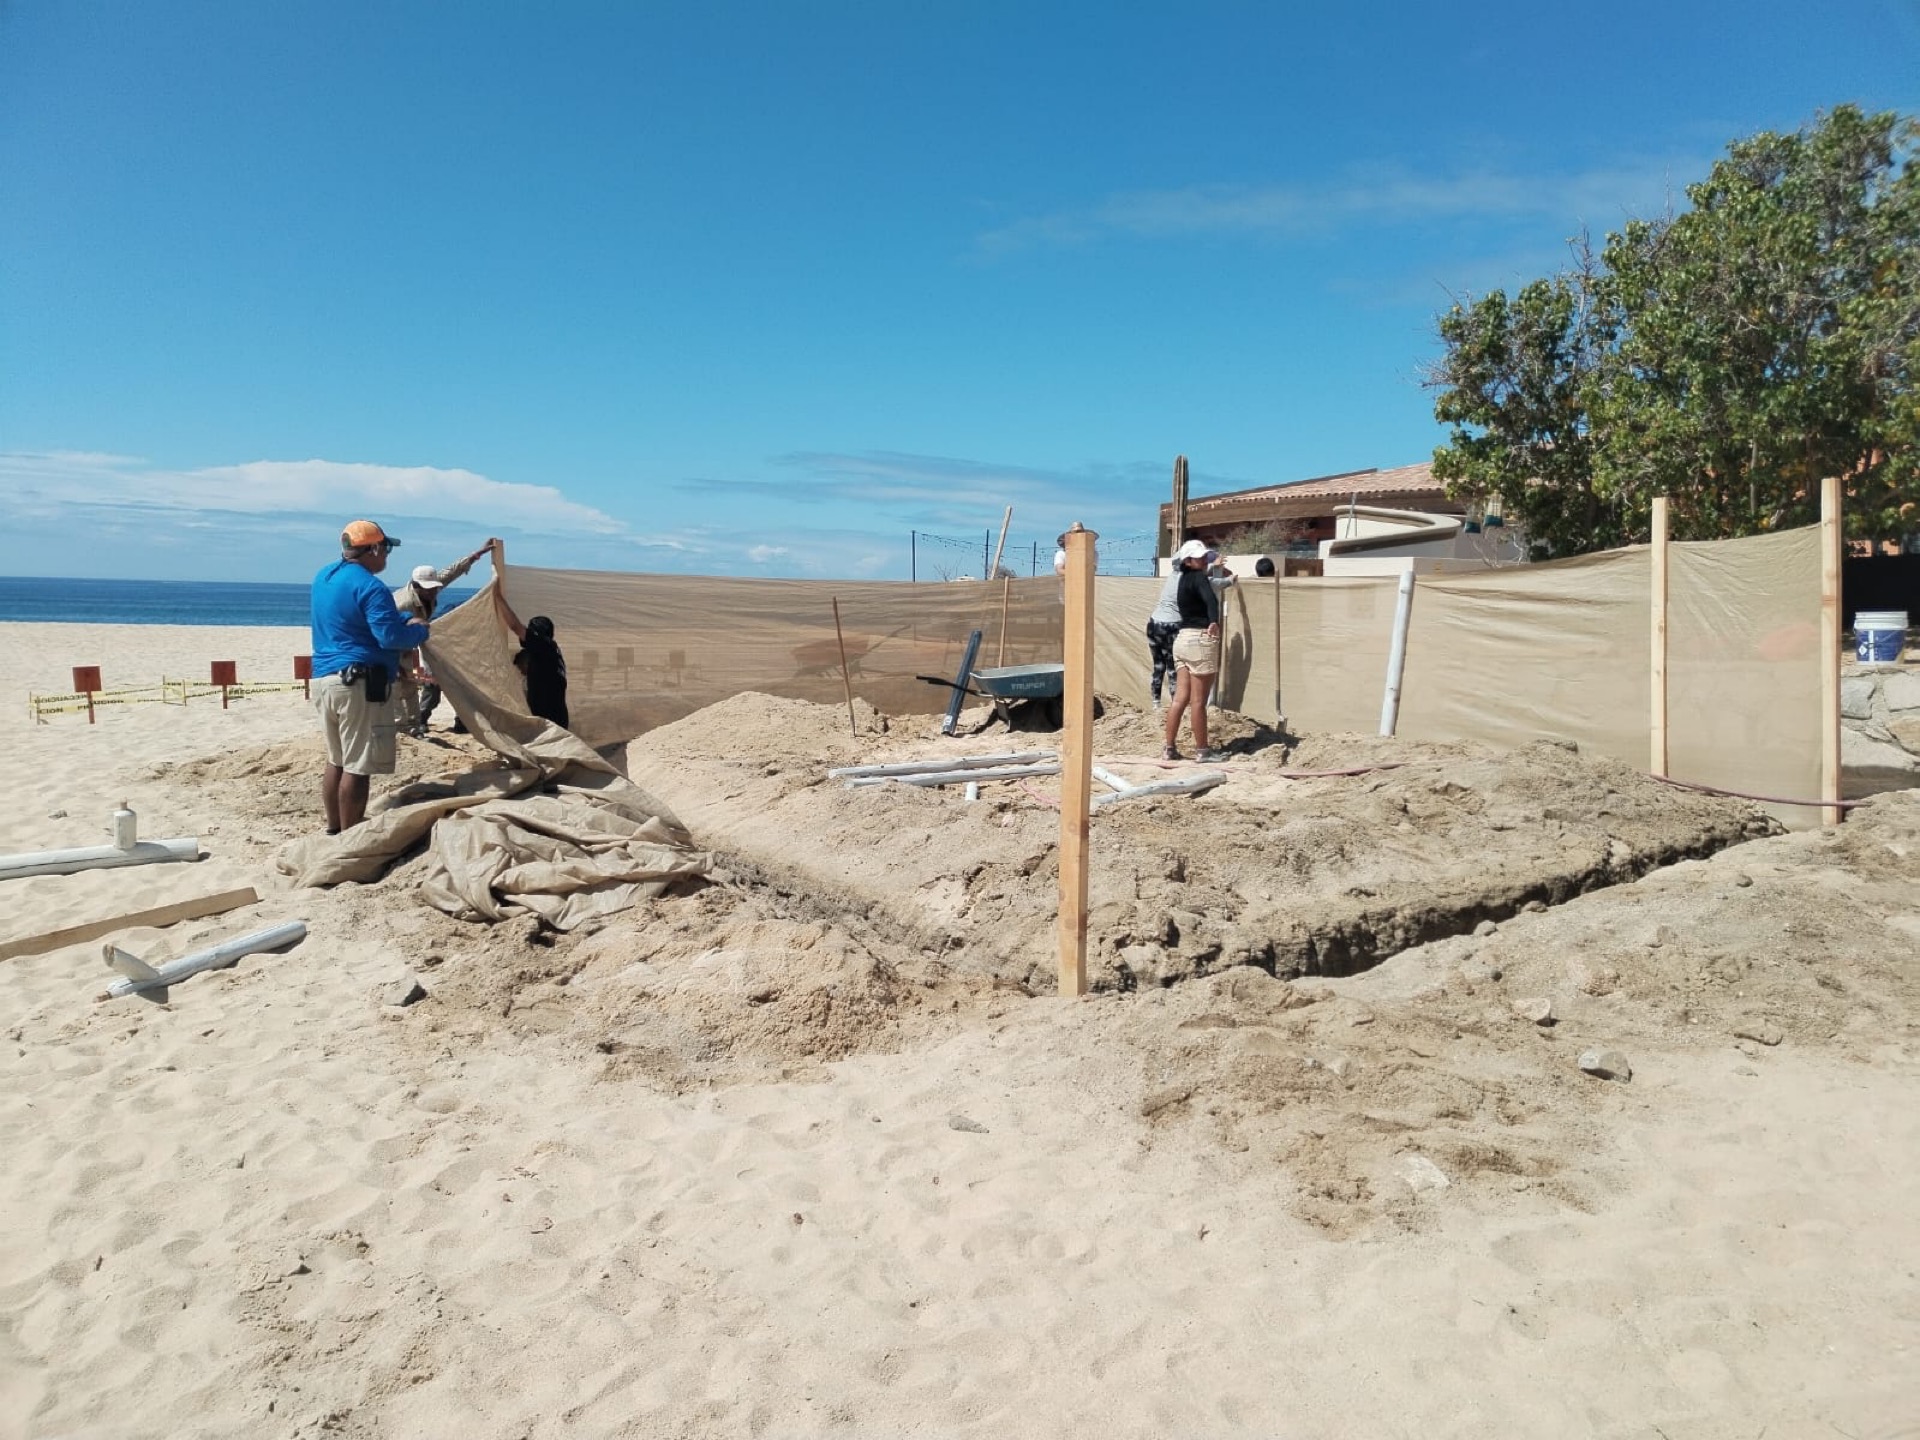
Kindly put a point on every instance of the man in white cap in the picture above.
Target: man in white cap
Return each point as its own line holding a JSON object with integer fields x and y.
{"x": 416, "y": 693}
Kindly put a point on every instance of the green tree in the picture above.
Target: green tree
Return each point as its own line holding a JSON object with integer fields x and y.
{"x": 1730, "y": 356}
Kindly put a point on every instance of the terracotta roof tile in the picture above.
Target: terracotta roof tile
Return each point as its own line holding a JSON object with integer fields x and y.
{"x": 1399, "y": 480}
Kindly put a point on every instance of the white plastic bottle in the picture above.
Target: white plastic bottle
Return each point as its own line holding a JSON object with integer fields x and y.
{"x": 126, "y": 828}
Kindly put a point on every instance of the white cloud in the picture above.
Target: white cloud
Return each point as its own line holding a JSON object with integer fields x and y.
{"x": 1601, "y": 197}
{"x": 761, "y": 554}
{"x": 49, "y": 482}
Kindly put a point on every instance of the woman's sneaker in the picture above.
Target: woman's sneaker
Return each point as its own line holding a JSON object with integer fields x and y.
{"x": 1209, "y": 757}
{"x": 1169, "y": 753}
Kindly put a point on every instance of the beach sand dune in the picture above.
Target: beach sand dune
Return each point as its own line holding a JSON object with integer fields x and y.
{"x": 799, "y": 1153}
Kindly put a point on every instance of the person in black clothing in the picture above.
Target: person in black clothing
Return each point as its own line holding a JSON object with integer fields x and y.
{"x": 540, "y": 660}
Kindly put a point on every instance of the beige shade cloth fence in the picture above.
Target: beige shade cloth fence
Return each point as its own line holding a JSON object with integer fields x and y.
{"x": 645, "y": 650}
{"x": 1552, "y": 651}
{"x": 1561, "y": 650}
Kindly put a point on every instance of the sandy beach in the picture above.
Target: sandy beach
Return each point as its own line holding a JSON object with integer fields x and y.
{"x": 809, "y": 1150}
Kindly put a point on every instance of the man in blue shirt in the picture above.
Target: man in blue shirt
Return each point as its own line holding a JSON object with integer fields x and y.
{"x": 358, "y": 634}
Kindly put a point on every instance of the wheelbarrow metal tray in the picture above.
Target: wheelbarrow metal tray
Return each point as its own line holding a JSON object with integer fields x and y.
{"x": 1022, "y": 682}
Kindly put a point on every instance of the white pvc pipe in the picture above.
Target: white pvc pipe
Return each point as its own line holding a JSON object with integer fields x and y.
{"x": 1397, "y": 657}
{"x": 956, "y": 777}
{"x": 97, "y": 857}
{"x": 1185, "y": 785}
{"x": 141, "y": 976}
{"x": 945, "y": 763}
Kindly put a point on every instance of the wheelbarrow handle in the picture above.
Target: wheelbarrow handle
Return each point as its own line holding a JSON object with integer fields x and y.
{"x": 955, "y": 685}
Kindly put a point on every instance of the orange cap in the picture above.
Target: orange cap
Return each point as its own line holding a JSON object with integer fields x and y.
{"x": 361, "y": 534}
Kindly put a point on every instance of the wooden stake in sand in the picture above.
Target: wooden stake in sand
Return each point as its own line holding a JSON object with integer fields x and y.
{"x": 86, "y": 680}
{"x": 1179, "y": 519}
{"x": 1006, "y": 593}
{"x": 1076, "y": 760}
{"x": 1830, "y": 502}
{"x": 1279, "y": 701}
{"x": 846, "y": 675}
{"x": 158, "y": 917}
{"x": 1657, "y": 761}
{"x": 1001, "y": 548}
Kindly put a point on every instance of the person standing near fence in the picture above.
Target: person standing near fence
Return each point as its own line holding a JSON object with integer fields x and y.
{"x": 358, "y": 637}
{"x": 545, "y": 668}
{"x": 1164, "y": 623}
{"x": 1196, "y": 648}
{"x": 417, "y": 695}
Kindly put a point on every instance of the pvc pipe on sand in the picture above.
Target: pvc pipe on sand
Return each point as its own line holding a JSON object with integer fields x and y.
{"x": 97, "y": 857}
{"x": 138, "y": 976}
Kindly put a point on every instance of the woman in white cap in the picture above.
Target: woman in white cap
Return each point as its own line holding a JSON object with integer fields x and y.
{"x": 1195, "y": 648}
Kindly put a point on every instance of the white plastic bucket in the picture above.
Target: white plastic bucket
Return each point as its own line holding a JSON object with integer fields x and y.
{"x": 1879, "y": 635}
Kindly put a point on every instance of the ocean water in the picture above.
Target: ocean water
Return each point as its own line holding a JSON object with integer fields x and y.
{"x": 161, "y": 602}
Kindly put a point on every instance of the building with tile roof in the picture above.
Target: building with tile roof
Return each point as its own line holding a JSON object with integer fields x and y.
{"x": 1306, "y": 508}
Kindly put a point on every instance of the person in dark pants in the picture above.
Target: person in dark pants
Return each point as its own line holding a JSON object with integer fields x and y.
{"x": 545, "y": 668}
{"x": 415, "y": 691}
{"x": 1162, "y": 625}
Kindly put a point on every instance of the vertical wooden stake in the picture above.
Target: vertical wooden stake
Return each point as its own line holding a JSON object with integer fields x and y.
{"x": 1657, "y": 759}
{"x": 1006, "y": 592}
{"x": 1076, "y": 760}
{"x": 1830, "y": 533}
{"x": 1001, "y": 548}
{"x": 846, "y": 675}
{"x": 500, "y": 606}
{"x": 1179, "y": 522}
{"x": 1279, "y": 707}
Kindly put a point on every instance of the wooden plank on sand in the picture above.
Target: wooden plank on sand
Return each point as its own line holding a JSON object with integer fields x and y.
{"x": 159, "y": 915}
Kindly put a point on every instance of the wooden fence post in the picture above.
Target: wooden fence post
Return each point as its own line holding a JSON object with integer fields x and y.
{"x": 1830, "y": 541}
{"x": 1657, "y": 760}
{"x": 1076, "y": 760}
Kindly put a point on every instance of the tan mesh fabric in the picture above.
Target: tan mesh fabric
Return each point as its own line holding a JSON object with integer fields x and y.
{"x": 1334, "y": 637}
{"x": 1534, "y": 652}
{"x": 1121, "y": 665}
{"x": 644, "y": 650}
{"x": 1743, "y": 668}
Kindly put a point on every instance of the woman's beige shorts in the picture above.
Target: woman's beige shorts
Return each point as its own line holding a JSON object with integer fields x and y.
{"x": 1197, "y": 651}
{"x": 358, "y": 733}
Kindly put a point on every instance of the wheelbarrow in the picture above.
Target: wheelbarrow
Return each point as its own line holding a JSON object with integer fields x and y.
{"x": 1005, "y": 684}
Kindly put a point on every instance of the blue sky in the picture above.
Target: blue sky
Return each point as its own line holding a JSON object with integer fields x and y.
{"x": 764, "y": 288}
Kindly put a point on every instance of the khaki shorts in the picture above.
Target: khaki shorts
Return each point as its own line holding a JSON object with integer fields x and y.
{"x": 1197, "y": 651}
{"x": 359, "y": 733}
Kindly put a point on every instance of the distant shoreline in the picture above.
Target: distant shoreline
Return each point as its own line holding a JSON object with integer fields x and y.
{"x": 35, "y": 600}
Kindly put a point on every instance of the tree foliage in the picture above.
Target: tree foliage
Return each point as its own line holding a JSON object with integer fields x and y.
{"x": 1729, "y": 356}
